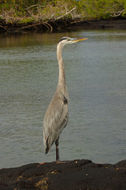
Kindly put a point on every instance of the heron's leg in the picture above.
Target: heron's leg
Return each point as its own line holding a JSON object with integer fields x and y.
{"x": 57, "y": 149}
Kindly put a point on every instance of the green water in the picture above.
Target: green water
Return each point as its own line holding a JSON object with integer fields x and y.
{"x": 96, "y": 80}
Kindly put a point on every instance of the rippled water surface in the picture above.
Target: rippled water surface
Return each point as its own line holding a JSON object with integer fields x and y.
{"x": 96, "y": 79}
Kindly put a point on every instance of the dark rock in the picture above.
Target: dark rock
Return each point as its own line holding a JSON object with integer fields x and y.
{"x": 68, "y": 175}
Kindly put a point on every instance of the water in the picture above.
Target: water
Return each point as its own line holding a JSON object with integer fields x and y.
{"x": 96, "y": 79}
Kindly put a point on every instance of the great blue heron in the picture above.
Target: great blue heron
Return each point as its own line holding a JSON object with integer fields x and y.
{"x": 56, "y": 116}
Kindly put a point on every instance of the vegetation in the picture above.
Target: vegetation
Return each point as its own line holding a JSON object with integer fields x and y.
{"x": 97, "y": 9}
{"x": 29, "y": 11}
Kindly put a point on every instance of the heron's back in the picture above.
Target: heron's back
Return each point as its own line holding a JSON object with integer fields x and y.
{"x": 55, "y": 118}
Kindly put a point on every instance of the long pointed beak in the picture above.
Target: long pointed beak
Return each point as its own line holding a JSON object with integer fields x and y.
{"x": 81, "y": 39}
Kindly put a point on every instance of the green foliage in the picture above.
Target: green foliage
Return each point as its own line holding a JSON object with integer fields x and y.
{"x": 30, "y": 10}
{"x": 26, "y": 20}
{"x": 97, "y": 9}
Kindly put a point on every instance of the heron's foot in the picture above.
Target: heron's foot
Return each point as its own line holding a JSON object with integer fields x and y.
{"x": 60, "y": 162}
{"x": 42, "y": 163}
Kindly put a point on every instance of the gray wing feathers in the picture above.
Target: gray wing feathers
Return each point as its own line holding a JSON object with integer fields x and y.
{"x": 55, "y": 120}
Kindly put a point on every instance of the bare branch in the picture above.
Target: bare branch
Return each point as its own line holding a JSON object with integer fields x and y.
{"x": 32, "y": 6}
{"x": 116, "y": 14}
{"x": 65, "y": 14}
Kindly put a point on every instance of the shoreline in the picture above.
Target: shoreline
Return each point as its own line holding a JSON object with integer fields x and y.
{"x": 67, "y": 175}
{"x": 62, "y": 25}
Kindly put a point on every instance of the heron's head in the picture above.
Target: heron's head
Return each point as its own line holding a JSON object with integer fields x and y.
{"x": 67, "y": 40}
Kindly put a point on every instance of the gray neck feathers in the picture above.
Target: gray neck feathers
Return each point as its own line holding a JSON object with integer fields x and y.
{"x": 61, "y": 81}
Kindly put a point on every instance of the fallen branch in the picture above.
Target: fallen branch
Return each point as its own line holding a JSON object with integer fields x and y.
{"x": 51, "y": 28}
{"x": 29, "y": 26}
{"x": 65, "y": 14}
{"x": 32, "y": 6}
{"x": 118, "y": 13}
{"x": 46, "y": 24}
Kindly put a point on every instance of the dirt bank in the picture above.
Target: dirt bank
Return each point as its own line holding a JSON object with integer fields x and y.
{"x": 70, "y": 175}
{"x": 62, "y": 25}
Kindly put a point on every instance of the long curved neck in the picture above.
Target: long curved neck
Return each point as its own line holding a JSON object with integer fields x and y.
{"x": 61, "y": 80}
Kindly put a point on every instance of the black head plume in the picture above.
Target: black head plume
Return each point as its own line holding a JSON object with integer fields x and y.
{"x": 64, "y": 38}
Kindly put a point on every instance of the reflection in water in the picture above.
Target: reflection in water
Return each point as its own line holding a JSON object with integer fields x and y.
{"x": 96, "y": 78}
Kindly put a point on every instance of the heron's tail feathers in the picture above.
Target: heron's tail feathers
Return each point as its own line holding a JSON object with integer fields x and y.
{"x": 46, "y": 150}
{"x": 47, "y": 146}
